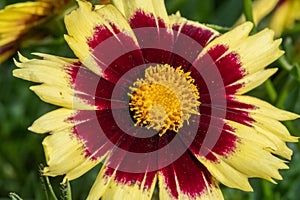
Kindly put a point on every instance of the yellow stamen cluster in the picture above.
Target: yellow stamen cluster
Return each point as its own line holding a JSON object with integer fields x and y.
{"x": 164, "y": 99}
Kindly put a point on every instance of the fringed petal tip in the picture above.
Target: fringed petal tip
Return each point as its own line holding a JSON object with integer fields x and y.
{"x": 57, "y": 76}
{"x": 258, "y": 153}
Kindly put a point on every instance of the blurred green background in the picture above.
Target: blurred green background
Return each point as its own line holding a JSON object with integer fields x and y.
{"x": 21, "y": 152}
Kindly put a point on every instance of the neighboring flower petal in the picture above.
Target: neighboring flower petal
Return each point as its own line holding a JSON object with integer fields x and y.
{"x": 261, "y": 8}
{"x": 17, "y": 17}
{"x": 6, "y": 51}
{"x": 285, "y": 15}
{"x": 15, "y": 21}
{"x": 187, "y": 179}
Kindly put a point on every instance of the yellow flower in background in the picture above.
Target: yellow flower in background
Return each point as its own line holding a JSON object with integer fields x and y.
{"x": 160, "y": 101}
{"x": 283, "y": 13}
{"x": 17, "y": 21}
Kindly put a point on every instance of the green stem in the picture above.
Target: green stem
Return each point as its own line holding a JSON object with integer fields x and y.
{"x": 268, "y": 194}
{"x": 49, "y": 186}
{"x": 218, "y": 28}
{"x": 272, "y": 93}
{"x": 288, "y": 86}
{"x": 248, "y": 13}
{"x": 283, "y": 62}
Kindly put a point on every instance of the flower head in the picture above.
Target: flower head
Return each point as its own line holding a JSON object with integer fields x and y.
{"x": 158, "y": 98}
{"x": 18, "y": 19}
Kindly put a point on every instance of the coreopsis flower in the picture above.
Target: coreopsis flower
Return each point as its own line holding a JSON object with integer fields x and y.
{"x": 17, "y": 21}
{"x": 283, "y": 13}
{"x": 159, "y": 100}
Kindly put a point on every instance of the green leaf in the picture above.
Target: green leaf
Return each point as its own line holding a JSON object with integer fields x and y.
{"x": 248, "y": 13}
{"x": 284, "y": 63}
{"x": 295, "y": 72}
{"x": 272, "y": 93}
{"x": 218, "y": 28}
{"x": 226, "y": 12}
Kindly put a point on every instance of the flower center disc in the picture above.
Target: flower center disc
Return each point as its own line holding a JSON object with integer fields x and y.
{"x": 164, "y": 99}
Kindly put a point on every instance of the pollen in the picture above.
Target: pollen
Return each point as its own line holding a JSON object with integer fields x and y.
{"x": 164, "y": 98}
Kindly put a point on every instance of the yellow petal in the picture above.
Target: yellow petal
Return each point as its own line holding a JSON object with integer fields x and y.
{"x": 8, "y": 39}
{"x": 258, "y": 51}
{"x": 266, "y": 109}
{"x": 107, "y": 187}
{"x": 117, "y": 190}
{"x": 254, "y": 80}
{"x": 251, "y": 158}
{"x": 64, "y": 97}
{"x": 64, "y": 152}
{"x": 260, "y": 9}
{"x": 100, "y": 185}
{"x": 212, "y": 191}
{"x": 181, "y": 21}
{"x": 83, "y": 168}
{"x": 233, "y": 37}
{"x": 56, "y": 87}
{"x": 281, "y": 148}
{"x": 285, "y": 16}
{"x": 6, "y": 54}
{"x": 43, "y": 71}
{"x": 16, "y": 20}
{"x": 53, "y": 121}
{"x": 227, "y": 174}
{"x": 266, "y": 123}
{"x": 156, "y": 8}
{"x": 81, "y": 25}
{"x": 255, "y": 52}
{"x": 16, "y": 11}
